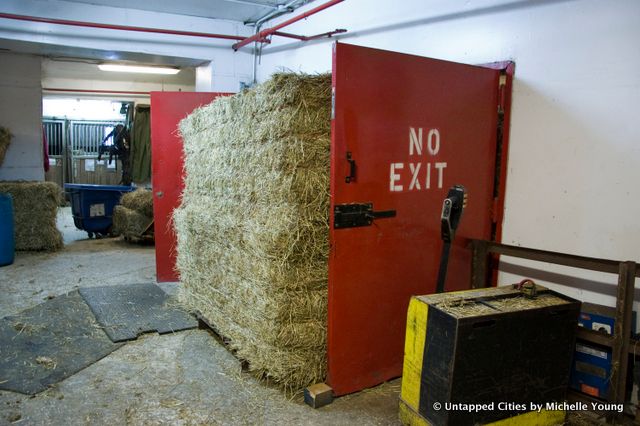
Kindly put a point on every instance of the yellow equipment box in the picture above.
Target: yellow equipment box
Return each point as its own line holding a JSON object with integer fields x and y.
{"x": 489, "y": 356}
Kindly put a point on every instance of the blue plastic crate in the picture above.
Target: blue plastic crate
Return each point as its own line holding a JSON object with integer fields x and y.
{"x": 591, "y": 370}
{"x": 92, "y": 205}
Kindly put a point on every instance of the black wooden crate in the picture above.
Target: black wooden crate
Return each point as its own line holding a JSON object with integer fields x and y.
{"x": 520, "y": 353}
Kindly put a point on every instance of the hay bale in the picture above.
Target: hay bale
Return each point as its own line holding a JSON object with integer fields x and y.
{"x": 252, "y": 229}
{"x": 140, "y": 200}
{"x": 35, "y": 207}
{"x": 128, "y": 222}
{"x": 5, "y": 141}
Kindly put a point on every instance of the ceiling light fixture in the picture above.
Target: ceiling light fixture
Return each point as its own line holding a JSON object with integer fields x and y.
{"x": 138, "y": 69}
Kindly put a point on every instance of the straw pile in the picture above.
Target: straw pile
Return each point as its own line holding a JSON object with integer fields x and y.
{"x": 460, "y": 307}
{"x": 135, "y": 214}
{"x": 128, "y": 222}
{"x": 35, "y": 207}
{"x": 5, "y": 140}
{"x": 252, "y": 229}
{"x": 140, "y": 200}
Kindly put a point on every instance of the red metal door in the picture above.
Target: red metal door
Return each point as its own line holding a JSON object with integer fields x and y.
{"x": 414, "y": 127}
{"x": 167, "y": 109}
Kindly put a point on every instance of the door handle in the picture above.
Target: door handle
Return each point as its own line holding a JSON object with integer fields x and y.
{"x": 352, "y": 169}
{"x": 159, "y": 194}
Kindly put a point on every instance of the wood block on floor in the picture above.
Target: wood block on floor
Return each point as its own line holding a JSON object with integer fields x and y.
{"x": 318, "y": 395}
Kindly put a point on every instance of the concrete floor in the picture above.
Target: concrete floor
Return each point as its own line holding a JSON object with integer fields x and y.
{"x": 187, "y": 378}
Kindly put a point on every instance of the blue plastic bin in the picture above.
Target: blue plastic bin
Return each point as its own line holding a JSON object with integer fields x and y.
{"x": 7, "y": 239}
{"x": 92, "y": 206}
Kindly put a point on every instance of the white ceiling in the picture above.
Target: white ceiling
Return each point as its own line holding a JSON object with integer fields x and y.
{"x": 244, "y": 11}
{"x": 58, "y": 51}
{"x": 79, "y": 70}
{"x": 234, "y": 10}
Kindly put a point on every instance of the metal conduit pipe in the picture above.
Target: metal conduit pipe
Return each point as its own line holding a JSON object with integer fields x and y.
{"x": 252, "y": 3}
{"x": 313, "y": 37}
{"x": 279, "y": 11}
{"x": 254, "y": 71}
{"x": 265, "y": 33}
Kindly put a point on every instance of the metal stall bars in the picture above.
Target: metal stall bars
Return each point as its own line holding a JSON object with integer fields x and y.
{"x": 620, "y": 342}
{"x": 56, "y": 136}
{"x": 85, "y": 139}
{"x": 73, "y": 147}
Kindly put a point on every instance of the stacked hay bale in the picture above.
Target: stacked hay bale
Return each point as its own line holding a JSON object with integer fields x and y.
{"x": 134, "y": 214}
{"x": 252, "y": 228}
{"x": 35, "y": 207}
{"x": 5, "y": 141}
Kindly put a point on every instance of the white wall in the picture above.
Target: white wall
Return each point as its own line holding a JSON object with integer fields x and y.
{"x": 574, "y": 161}
{"x": 229, "y": 68}
{"x": 21, "y": 113}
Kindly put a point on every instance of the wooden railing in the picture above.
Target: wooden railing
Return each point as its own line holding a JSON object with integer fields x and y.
{"x": 627, "y": 272}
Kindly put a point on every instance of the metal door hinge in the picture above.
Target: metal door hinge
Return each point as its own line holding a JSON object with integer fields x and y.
{"x": 355, "y": 215}
{"x": 333, "y": 103}
{"x": 502, "y": 84}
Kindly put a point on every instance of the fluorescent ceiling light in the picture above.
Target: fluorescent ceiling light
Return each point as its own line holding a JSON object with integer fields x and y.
{"x": 138, "y": 69}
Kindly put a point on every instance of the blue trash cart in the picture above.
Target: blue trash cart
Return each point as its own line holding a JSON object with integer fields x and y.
{"x": 92, "y": 206}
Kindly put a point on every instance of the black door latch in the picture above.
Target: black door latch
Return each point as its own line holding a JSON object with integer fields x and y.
{"x": 355, "y": 215}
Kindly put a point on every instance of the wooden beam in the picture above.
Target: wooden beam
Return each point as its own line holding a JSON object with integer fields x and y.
{"x": 622, "y": 330}
{"x": 479, "y": 264}
{"x": 582, "y": 262}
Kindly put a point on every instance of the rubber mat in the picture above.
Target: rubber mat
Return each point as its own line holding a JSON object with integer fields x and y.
{"x": 126, "y": 311}
{"x": 48, "y": 343}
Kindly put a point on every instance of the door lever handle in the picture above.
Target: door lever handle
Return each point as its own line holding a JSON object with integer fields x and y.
{"x": 352, "y": 169}
{"x": 383, "y": 214}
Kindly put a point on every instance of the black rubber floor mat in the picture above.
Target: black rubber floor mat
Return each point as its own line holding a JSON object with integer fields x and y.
{"x": 48, "y": 343}
{"x": 127, "y": 311}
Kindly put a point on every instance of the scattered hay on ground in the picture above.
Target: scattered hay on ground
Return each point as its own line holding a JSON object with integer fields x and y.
{"x": 35, "y": 207}
{"x": 47, "y": 362}
{"x": 140, "y": 200}
{"x": 252, "y": 228}
{"x": 129, "y": 223}
{"x": 5, "y": 141}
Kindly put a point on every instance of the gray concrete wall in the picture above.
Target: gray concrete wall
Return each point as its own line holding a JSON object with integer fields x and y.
{"x": 21, "y": 113}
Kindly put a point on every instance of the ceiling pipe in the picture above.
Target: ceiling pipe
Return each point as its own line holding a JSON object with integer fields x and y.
{"x": 252, "y": 3}
{"x": 254, "y": 69}
{"x": 117, "y": 27}
{"x": 313, "y": 37}
{"x": 265, "y": 33}
{"x": 97, "y": 91}
{"x": 281, "y": 10}
{"x": 278, "y": 11}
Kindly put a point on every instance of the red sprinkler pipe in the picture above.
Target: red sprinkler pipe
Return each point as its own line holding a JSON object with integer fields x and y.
{"x": 125, "y": 92}
{"x": 117, "y": 27}
{"x": 265, "y": 33}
